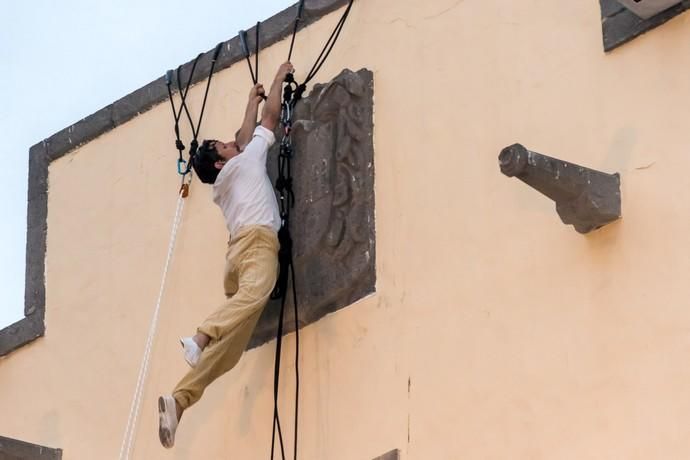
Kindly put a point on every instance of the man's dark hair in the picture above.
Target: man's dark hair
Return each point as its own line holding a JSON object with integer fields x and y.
{"x": 204, "y": 162}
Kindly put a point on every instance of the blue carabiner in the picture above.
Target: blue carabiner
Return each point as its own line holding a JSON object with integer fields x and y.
{"x": 181, "y": 170}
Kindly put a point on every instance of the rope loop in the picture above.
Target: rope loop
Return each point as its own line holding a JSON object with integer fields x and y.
{"x": 184, "y": 167}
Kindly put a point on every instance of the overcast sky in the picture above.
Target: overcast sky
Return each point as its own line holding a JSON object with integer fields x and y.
{"x": 65, "y": 59}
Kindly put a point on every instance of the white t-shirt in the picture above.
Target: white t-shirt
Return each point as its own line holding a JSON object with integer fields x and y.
{"x": 243, "y": 190}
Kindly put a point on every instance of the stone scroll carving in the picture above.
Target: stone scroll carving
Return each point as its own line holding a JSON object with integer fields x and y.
{"x": 332, "y": 223}
{"x": 585, "y": 198}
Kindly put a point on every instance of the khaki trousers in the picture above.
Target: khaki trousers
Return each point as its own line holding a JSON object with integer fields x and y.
{"x": 251, "y": 270}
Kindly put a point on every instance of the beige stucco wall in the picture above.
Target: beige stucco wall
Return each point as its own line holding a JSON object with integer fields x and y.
{"x": 496, "y": 332}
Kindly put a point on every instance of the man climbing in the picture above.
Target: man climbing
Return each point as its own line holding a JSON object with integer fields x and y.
{"x": 242, "y": 189}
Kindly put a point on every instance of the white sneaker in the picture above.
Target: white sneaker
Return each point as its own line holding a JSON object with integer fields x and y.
{"x": 167, "y": 420}
{"x": 192, "y": 352}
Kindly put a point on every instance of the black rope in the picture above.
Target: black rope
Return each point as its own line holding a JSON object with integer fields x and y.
{"x": 216, "y": 53}
{"x": 276, "y": 376}
{"x": 276, "y": 380}
{"x": 300, "y": 9}
{"x": 245, "y": 49}
{"x": 186, "y": 90}
{"x": 326, "y": 51}
{"x": 292, "y": 93}
{"x": 296, "y": 309}
{"x": 254, "y": 72}
{"x": 256, "y": 52}
{"x": 184, "y": 167}
{"x": 286, "y": 195}
{"x": 178, "y": 142}
{"x": 286, "y": 202}
{"x": 181, "y": 163}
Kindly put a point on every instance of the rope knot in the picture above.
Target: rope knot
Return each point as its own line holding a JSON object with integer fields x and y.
{"x": 193, "y": 147}
{"x": 300, "y": 91}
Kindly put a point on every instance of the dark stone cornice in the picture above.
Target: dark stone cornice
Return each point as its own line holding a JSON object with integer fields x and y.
{"x": 12, "y": 449}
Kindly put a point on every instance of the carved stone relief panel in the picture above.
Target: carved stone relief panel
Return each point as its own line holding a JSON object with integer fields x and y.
{"x": 332, "y": 223}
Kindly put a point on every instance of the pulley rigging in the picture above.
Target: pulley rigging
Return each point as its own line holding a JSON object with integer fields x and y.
{"x": 292, "y": 93}
{"x": 184, "y": 167}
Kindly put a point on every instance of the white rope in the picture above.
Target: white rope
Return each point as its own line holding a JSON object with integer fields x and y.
{"x": 130, "y": 431}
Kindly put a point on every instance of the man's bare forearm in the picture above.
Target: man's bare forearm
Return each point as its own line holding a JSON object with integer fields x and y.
{"x": 271, "y": 110}
{"x": 248, "y": 124}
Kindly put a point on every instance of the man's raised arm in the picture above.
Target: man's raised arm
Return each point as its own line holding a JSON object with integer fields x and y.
{"x": 271, "y": 111}
{"x": 244, "y": 135}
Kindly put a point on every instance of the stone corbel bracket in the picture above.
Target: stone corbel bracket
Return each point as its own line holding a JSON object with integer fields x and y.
{"x": 585, "y": 198}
